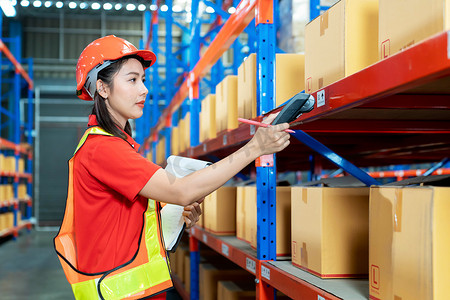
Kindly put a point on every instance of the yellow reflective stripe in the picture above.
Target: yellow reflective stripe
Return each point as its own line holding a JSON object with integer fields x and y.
{"x": 135, "y": 280}
{"x": 85, "y": 290}
{"x": 92, "y": 130}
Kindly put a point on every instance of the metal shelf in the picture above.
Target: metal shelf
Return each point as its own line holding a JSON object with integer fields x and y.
{"x": 282, "y": 275}
{"x": 15, "y": 230}
{"x": 294, "y": 282}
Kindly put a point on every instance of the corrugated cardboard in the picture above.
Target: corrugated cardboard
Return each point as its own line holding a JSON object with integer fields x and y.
{"x": 208, "y": 118}
{"x": 226, "y": 104}
{"x": 409, "y": 243}
{"x": 182, "y": 140}
{"x": 404, "y": 23}
{"x": 289, "y": 80}
{"x": 220, "y": 211}
{"x": 250, "y": 215}
{"x": 175, "y": 140}
{"x": 340, "y": 42}
{"x": 283, "y": 226}
{"x": 211, "y": 274}
{"x": 236, "y": 290}
{"x": 187, "y": 272}
{"x": 290, "y": 76}
{"x": 161, "y": 150}
{"x": 181, "y": 252}
{"x": 240, "y": 212}
{"x": 330, "y": 231}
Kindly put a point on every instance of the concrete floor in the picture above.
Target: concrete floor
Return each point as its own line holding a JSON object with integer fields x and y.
{"x": 30, "y": 269}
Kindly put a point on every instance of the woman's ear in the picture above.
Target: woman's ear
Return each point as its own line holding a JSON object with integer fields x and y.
{"x": 102, "y": 89}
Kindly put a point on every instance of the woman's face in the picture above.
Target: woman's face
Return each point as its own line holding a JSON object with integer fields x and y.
{"x": 127, "y": 96}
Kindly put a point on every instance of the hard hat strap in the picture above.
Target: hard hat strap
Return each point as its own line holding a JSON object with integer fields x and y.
{"x": 91, "y": 80}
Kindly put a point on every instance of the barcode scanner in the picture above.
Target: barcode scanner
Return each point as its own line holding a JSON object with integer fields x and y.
{"x": 296, "y": 106}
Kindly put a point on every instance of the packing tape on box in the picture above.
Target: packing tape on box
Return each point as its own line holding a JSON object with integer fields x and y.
{"x": 398, "y": 210}
{"x": 305, "y": 195}
{"x": 323, "y": 23}
{"x": 304, "y": 256}
{"x": 320, "y": 83}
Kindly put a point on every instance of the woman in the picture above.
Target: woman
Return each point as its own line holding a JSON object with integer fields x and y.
{"x": 110, "y": 242}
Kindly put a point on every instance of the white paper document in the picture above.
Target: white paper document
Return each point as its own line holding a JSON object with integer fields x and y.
{"x": 172, "y": 214}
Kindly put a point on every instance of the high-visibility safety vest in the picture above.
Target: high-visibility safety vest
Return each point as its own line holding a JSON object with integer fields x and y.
{"x": 146, "y": 274}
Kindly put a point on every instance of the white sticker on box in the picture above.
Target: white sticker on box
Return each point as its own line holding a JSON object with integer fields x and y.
{"x": 250, "y": 264}
{"x": 448, "y": 44}
{"x": 265, "y": 272}
{"x": 320, "y": 98}
{"x": 205, "y": 239}
{"x": 225, "y": 249}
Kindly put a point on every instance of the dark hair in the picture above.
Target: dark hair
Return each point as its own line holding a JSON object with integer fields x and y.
{"x": 104, "y": 118}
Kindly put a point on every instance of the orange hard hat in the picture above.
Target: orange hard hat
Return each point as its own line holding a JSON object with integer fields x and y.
{"x": 98, "y": 55}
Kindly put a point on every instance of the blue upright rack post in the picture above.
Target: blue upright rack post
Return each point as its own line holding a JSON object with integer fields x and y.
{"x": 194, "y": 55}
{"x": 265, "y": 174}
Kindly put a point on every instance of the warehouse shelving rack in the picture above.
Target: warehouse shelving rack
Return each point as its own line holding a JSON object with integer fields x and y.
{"x": 16, "y": 128}
{"x": 354, "y": 116}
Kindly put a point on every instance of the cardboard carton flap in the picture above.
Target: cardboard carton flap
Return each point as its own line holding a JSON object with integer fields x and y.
{"x": 435, "y": 180}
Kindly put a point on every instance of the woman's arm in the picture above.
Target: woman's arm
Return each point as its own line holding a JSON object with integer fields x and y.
{"x": 165, "y": 187}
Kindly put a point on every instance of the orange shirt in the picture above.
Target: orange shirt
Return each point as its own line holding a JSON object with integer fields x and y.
{"x": 108, "y": 175}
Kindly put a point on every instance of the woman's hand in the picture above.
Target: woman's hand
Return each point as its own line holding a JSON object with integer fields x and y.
{"x": 270, "y": 140}
{"x": 192, "y": 213}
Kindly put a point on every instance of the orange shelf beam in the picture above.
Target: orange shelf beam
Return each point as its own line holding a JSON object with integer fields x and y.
{"x": 17, "y": 65}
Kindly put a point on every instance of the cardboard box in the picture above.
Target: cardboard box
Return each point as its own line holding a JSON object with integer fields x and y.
{"x": 161, "y": 150}
{"x": 220, "y": 211}
{"x": 208, "y": 118}
{"x": 409, "y": 243}
{"x": 240, "y": 213}
{"x": 201, "y": 219}
{"x": 181, "y": 252}
{"x": 283, "y": 226}
{"x": 211, "y": 274}
{"x": 403, "y": 23}
{"x": 340, "y": 42}
{"x": 182, "y": 137}
{"x": 187, "y": 272}
{"x": 236, "y": 290}
{"x": 226, "y": 104}
{"x": 330, "y": 231}
{"x": 175, "y": 140}
{"x": 250, "y": 215}
{"x": 187, "y": 131}
{"x": 289, "y": 81}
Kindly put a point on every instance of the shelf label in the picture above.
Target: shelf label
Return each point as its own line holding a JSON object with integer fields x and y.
{"x": 225, "y": 249}
{"x": 193, "y": 230}
{"x": 250, "y": 265}
{"x": 224, "y": 139}
{"x": 252, "y": 129}
{"x": 320, "y": 298}
{"x": 205, "y": 239}
{"x": 265, "y": 272}
{"x": 320, "y": 98}
{"x": 204, "y": 147}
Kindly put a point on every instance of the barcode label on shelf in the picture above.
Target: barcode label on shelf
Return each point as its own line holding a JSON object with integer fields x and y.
{"x": 250, "y": 264}
{"x": 224, "y": 139}
{"x": 204, "y": 147}
{"x": 265, "y": 272}
{"x": 205, "y": 239}
{"x": 320, "y": 98}
{"x": 252, "y": 129}
{"x": 320, "y": 298}
{"x": 193, "y": 230}
{"x": 225, "y": 249}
